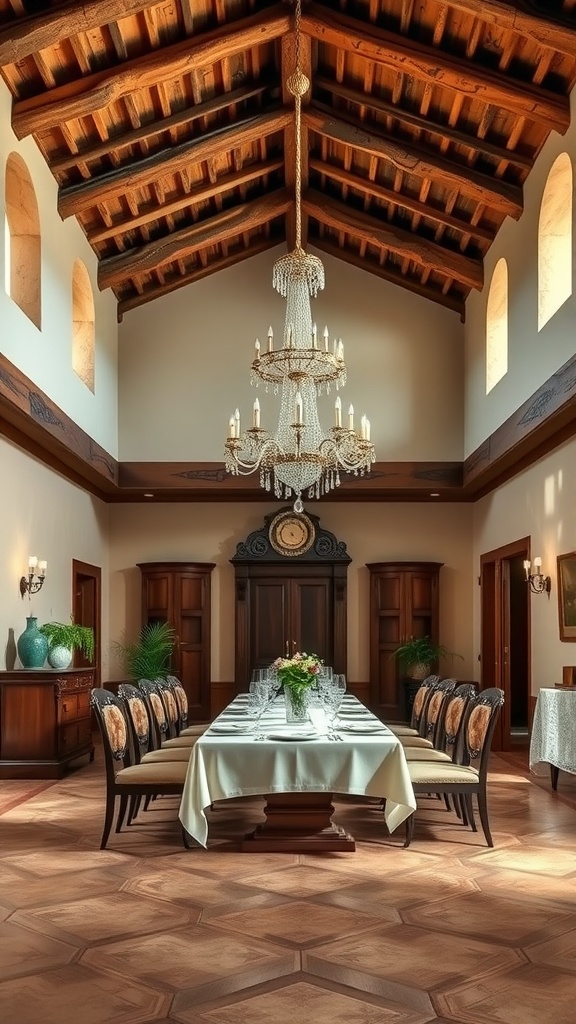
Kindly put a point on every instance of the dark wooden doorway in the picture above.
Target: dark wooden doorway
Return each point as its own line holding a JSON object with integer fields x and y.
{"x": 505, "y": 638}
{"x": 87, "y": 610}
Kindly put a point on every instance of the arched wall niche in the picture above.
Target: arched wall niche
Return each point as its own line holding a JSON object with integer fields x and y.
{"x": 555, "y": 240}
{"x": 497, "y": 326}
{"x": 23, "y": 246}
{"x": 83, "y": 325}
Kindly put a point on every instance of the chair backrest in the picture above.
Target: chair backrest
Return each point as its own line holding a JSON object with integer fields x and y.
{"x": 423, "y": 694}
{"x": 114, "y": 730}
{"x": 181, "y": 699}
{"x": 170, "y": 704}
{"x": 434, "y": 712}
{"x": 453, "y": 718}
{"x": 158, "y": 715}
{"x": 138, "y": 716}
{"x": 479, "y": 725}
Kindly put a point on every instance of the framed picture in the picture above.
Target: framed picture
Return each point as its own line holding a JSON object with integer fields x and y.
{"x": 567, "y": 596}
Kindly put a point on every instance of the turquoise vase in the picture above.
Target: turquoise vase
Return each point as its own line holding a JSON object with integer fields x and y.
{"x": 32, "y": 645}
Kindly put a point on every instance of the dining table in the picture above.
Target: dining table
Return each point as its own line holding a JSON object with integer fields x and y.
{"x": 553, "y": 740}
{"x": 297, "y": 769}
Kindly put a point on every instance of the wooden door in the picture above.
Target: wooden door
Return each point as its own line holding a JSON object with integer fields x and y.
{"x": 192, "y": 642}
{"x": 287, "y": 615}
{"x": 311, "y": 620}
{"x": 270, "y": 623}
{"x": 86, "y": 610}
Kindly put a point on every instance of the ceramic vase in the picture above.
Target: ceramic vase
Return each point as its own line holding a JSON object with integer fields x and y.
{"x": 60, "y": 657}
{"x": 32, "y": 645}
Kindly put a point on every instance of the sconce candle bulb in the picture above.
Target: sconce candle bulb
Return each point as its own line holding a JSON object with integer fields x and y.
{"x": 538, "y": 583}
{"x": 34, "y": 581}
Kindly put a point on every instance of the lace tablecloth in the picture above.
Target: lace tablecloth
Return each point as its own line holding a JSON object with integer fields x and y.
{"x": 554, "y": 730}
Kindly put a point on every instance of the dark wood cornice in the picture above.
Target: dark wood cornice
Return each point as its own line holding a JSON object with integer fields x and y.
{"x": 137, "y": 173}
{"x": 94, "y": 92}
{"x": 506, "y": 199}
{"x": 426, "y": 63}
{"x": 212, "y": 231}
{"x": 405, "y": 244}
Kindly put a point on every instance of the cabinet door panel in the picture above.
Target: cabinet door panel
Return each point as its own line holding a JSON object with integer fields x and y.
{"x": 420, "y": 593}
{"x": 389, "y": 593}
{"x": 269, "y": 620}
{"x": 191, "y": 671}
{"x": 156, "y": 596}
{"x": 310, "y": 618}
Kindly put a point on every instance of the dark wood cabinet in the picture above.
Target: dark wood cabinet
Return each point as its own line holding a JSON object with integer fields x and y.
{"x": 285, "y": 604}
{"x": 180, "y": 593}
{"x": 404, "y": 603}
{"x": 45, "y": 721}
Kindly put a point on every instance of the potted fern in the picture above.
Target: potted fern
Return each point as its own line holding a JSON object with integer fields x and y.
{"x": 418, "y": 655}
{"x": 150, "y": 655}
{"x": 66, "y": 637}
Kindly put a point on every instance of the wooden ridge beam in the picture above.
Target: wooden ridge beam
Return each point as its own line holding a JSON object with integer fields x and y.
{"x": 393, "y": 277}
{"x": 75, "y": 199}
{"x": 94, "y": 92}
{"x": 149, "y": 130}
{"x": 436, "y": 68}
{"x": 406, "y": 244}
{"x": 199, "y": 194}
{"x": 399, "y": 199}
{"x": 22, "y": 37}
{"x": 231, "y": 260}
{"x": 502, "y": 197}
{"x": 426, "y": 124}
{"x": 526, "y": 19}
{"x": 225, "y": 225}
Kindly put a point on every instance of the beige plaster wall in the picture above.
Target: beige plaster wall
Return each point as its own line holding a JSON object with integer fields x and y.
{"x": 184, "y": 363}
{"x": 539, "y": 504}
{"x": 372, "y": 532}
{"x": 533, "y": 356}
{"x": 42, "y": 514}
{"x": 45, "y": 355}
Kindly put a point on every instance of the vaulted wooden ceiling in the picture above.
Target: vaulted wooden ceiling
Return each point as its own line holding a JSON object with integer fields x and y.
{"x": 170, "y": 131}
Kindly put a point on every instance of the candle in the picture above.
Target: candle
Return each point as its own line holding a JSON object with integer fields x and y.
{"x": 231, "y": 427}
{"x": 537, "y": 564}
{"x": 256, "y": 413}
{"x": 42, "y": 566}
{"x": 314, "y": 336}
{"x": 257, "y": 350}
{"x": 351, "y": 418}
{"x": 340, "y": 350}
{"x": 326, "y": 338}
{"x": 338, "y": 411}
{"x": 367, "y": 429}
{"x": 289, "y": 342}
{"x": 32, "y": 562}
{"x": 237, "y": 423}
{"x": 270, "y": 338}
{"x": 298, "y": 407}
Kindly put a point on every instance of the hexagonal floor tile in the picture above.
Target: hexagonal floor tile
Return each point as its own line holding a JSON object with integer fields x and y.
{"x": 557, "y": 952}
{"x": 60, "y": 862}
{"x": 26, "y": 952}
{"x": 301, "y": 880}
{"x": 523, "y": 995}
{"x": 509, "y": 920}
{"x": 187, "y": 888}
{"x": 298, "y": 924}
{"x": 523, "y": 858}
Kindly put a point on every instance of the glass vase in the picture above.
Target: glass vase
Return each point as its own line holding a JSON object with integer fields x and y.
{"x": 296, "y": 702}
{"x": 32, "y": 645}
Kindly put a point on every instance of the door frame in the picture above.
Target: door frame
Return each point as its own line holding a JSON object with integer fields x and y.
{"x": 94, "y": 572}
{"x": 494, "y": 630}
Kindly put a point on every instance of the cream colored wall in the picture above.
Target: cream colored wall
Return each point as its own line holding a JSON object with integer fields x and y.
{"x": 533, "y": 356}
{"x": 45, "y": 355}
{"x": 539, "y": 504}
{"x": 185, "y": 364}
{"x": 42, "y": 514}
{"x": 373, "y": 532}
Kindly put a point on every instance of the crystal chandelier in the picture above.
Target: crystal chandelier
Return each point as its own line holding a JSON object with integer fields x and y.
{"x": 301, "y": 457}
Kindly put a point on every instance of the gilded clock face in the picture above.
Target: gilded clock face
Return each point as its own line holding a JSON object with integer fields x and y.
{"x": 291, "y": 533}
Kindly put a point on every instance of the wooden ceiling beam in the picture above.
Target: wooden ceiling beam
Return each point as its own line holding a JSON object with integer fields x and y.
{"x": 500, "y": 196}
{"x": 152, "y": 128}
{"x": 231, "y": 260}
{"x": 114, "y": 270}
{"x": 436, "y": 68}
{"x": 393, "y": 277}
{"x": 406, "y": 244}
{"x": 198, "y": 195}
{"x": 76, "y": 199}
{"x": 22, "y": 37}
{"x": 524, "y": 18}
{"x": 426, "y": 124}
{"x": 401, "y": 200}
{"x": 86, "y": 95}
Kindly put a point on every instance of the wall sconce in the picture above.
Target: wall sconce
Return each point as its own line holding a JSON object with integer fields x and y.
{"x": 34, "y": 581}
{"x": 538, "y": 583}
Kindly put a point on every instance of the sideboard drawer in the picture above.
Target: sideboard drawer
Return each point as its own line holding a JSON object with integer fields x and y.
{"x": 68, "y": 707}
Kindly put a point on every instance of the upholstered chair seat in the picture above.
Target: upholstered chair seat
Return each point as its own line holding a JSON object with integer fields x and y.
{"x": 173, "y": 754}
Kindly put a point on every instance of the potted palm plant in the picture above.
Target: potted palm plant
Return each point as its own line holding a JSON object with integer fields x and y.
{"x": 150, "y": 655}
{"x": 66, "y": 637}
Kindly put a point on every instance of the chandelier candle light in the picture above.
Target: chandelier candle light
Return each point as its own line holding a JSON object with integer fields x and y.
{"x": 300, "y": 457}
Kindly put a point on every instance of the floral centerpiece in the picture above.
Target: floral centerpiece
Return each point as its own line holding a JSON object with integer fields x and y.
{"x": 297, "y": 674}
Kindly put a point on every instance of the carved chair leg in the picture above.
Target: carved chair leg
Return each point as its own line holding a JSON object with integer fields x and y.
{"x": 483, "y": 810}
{"x": 122, "y": 811}
{"x": 108, "y": 819}
{"x": 470, "y": 811}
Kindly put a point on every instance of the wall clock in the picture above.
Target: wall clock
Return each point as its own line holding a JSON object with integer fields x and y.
{"x": 291, "y": 533}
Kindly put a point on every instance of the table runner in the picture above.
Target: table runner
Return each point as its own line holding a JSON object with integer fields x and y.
{"x": 222, "y": 767}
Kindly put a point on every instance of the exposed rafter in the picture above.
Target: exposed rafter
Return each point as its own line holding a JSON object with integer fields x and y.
{"x": 525, "y": 18}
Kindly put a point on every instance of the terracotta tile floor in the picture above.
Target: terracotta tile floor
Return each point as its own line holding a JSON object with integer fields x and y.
{"x": 147, "y": 932}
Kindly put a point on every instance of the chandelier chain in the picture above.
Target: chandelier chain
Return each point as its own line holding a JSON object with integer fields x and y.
{"x": 298, "y": 128}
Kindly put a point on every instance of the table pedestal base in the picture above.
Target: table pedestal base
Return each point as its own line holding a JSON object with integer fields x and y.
{"x": 298, "y": 823}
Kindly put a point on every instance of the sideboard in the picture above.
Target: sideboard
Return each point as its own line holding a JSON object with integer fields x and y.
{"x": 45, "y": 721}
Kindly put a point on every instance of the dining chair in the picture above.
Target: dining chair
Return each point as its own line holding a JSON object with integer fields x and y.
{"x": 423, "y": 694}
{"x": 142, "y": 731}
{"x": 124, "y": 779}
{"x": 163, "y": 716}
{"x": 197, "y": 728}
{"x": 468, "y": 777}
{"x": 428, "y": 746}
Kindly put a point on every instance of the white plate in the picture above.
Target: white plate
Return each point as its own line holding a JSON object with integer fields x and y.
{"x": 292, "y": 735}
{"x": 227, "y": 729}
{"x": 365, "y": 727}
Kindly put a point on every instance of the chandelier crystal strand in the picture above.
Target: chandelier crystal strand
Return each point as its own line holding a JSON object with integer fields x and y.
{"x": 301, "y": 457}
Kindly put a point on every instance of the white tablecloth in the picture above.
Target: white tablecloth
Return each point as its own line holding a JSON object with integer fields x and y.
{"x": 230, "y": 766}
{"x": 554, "y": 730}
